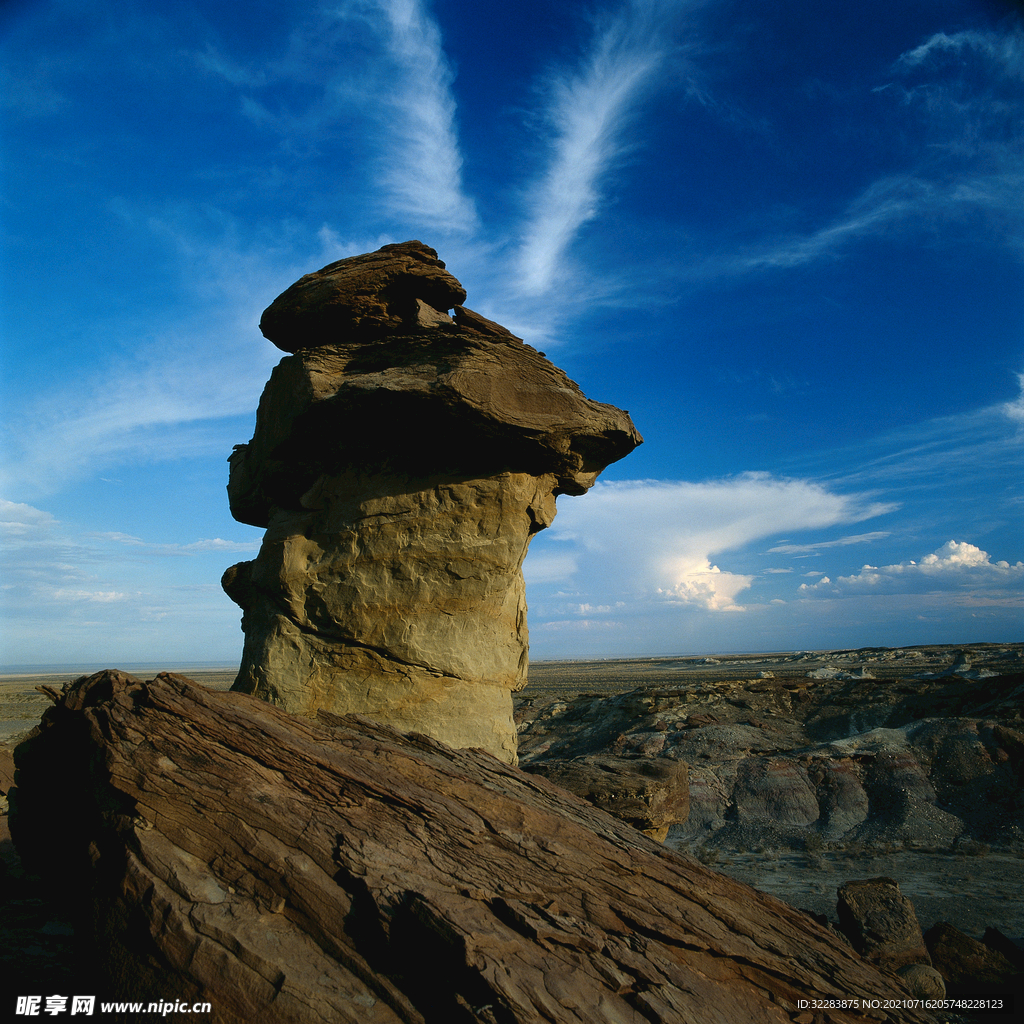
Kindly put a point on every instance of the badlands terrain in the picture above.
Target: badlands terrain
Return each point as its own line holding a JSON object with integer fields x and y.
{"x": 805, "y": 769}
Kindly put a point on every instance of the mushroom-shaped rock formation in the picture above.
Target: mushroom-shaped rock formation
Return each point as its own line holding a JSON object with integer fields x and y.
{"x": 401, "y": 462}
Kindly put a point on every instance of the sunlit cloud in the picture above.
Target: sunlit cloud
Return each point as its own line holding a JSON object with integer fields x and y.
{"x": 958, "y": 567}
{"x": 656, "y": 540}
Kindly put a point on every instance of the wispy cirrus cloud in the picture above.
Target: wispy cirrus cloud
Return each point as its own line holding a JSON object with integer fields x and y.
{"x": 841, "y": 542}
{"x": 193, "y": 548}
{"x": 896, "y": 203}
{"x": 113, "y": 583}
{"x": 588, "y": 113}
{"x": 919, "y": 455}
{"x": 377, "y": 68}
{"x": 1004, "y": 52}
{"x": 963, "y": 92}
{"x": 423, "y": 168}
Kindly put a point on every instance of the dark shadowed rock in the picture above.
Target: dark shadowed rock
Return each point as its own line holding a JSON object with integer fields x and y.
{"x": 995, "y": 939}
{"x": 842, "y": 800}
{"x": 402, "y": 461}
{"x": 881, "y": 923}
{"x": 776, "y": 790}
{"x": 964, "y": 961}
{"x": 218, "y": 848}
{"x": 646, "y": 793}
{"x": 6, "y": 769}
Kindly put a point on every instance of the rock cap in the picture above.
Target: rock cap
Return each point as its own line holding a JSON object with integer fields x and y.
{"x": 376, "y": 293}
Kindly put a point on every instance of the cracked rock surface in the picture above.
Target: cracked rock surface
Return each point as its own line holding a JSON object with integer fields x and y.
{"x": 285, "y": 870}
{"x": 402, "y": 461}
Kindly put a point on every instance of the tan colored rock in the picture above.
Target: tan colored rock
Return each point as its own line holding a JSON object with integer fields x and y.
{"x": 401, "y": 469}
{"x": 881, "y": 923}
{"x": 214, "y": 848}
{"x": 651, "y": 794}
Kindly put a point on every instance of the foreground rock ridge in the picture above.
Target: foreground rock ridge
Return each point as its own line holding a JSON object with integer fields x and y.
{"x": 285, "y": 869}
{"x": 402, "y": 461}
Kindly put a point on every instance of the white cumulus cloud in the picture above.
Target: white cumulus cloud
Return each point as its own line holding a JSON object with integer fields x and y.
{"x": 659, "y": 541}
{"x": 956, "y": 568}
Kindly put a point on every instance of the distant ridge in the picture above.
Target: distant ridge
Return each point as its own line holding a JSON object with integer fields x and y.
{"x": 131, "y": 667}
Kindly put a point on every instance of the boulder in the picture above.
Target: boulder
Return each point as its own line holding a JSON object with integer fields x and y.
{"x": 378, "y": 292}
{"x": 880, "y": 922}
{"x": 1014, "y": 952}
{"x": 922, "y": 981}
{"x": 966, "y": 962}
{"x": 218, "y": 848}
{"x": 401, "y": 463}
{"x": 649, "y": 794}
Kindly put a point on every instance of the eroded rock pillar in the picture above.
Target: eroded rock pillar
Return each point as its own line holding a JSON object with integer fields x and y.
{"x": 401, "y": 463}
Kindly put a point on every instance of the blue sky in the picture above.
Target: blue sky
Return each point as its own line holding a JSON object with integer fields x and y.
{"x": 789, "y": 238}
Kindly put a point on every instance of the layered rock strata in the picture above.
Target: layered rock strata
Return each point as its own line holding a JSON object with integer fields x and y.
{"x": 401, "y": 463}
{"x": 283, "y": 869}
{"x": 650, "y": 794}
{"x": 774, "y": 762}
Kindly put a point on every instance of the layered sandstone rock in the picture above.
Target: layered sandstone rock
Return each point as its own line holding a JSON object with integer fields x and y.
{"x": 650, "y": 794}
{"x": 401, "y": 463}
{"x": 213, "y": 848}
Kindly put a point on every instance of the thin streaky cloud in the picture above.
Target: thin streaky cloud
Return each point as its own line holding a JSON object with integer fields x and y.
{"x": 589, "y": 112}
{"x": 1003, "y": 50}
{"x": 799, "y": 549}
{"x": 424, "y": 169}
{"x": 894, "y": 204}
